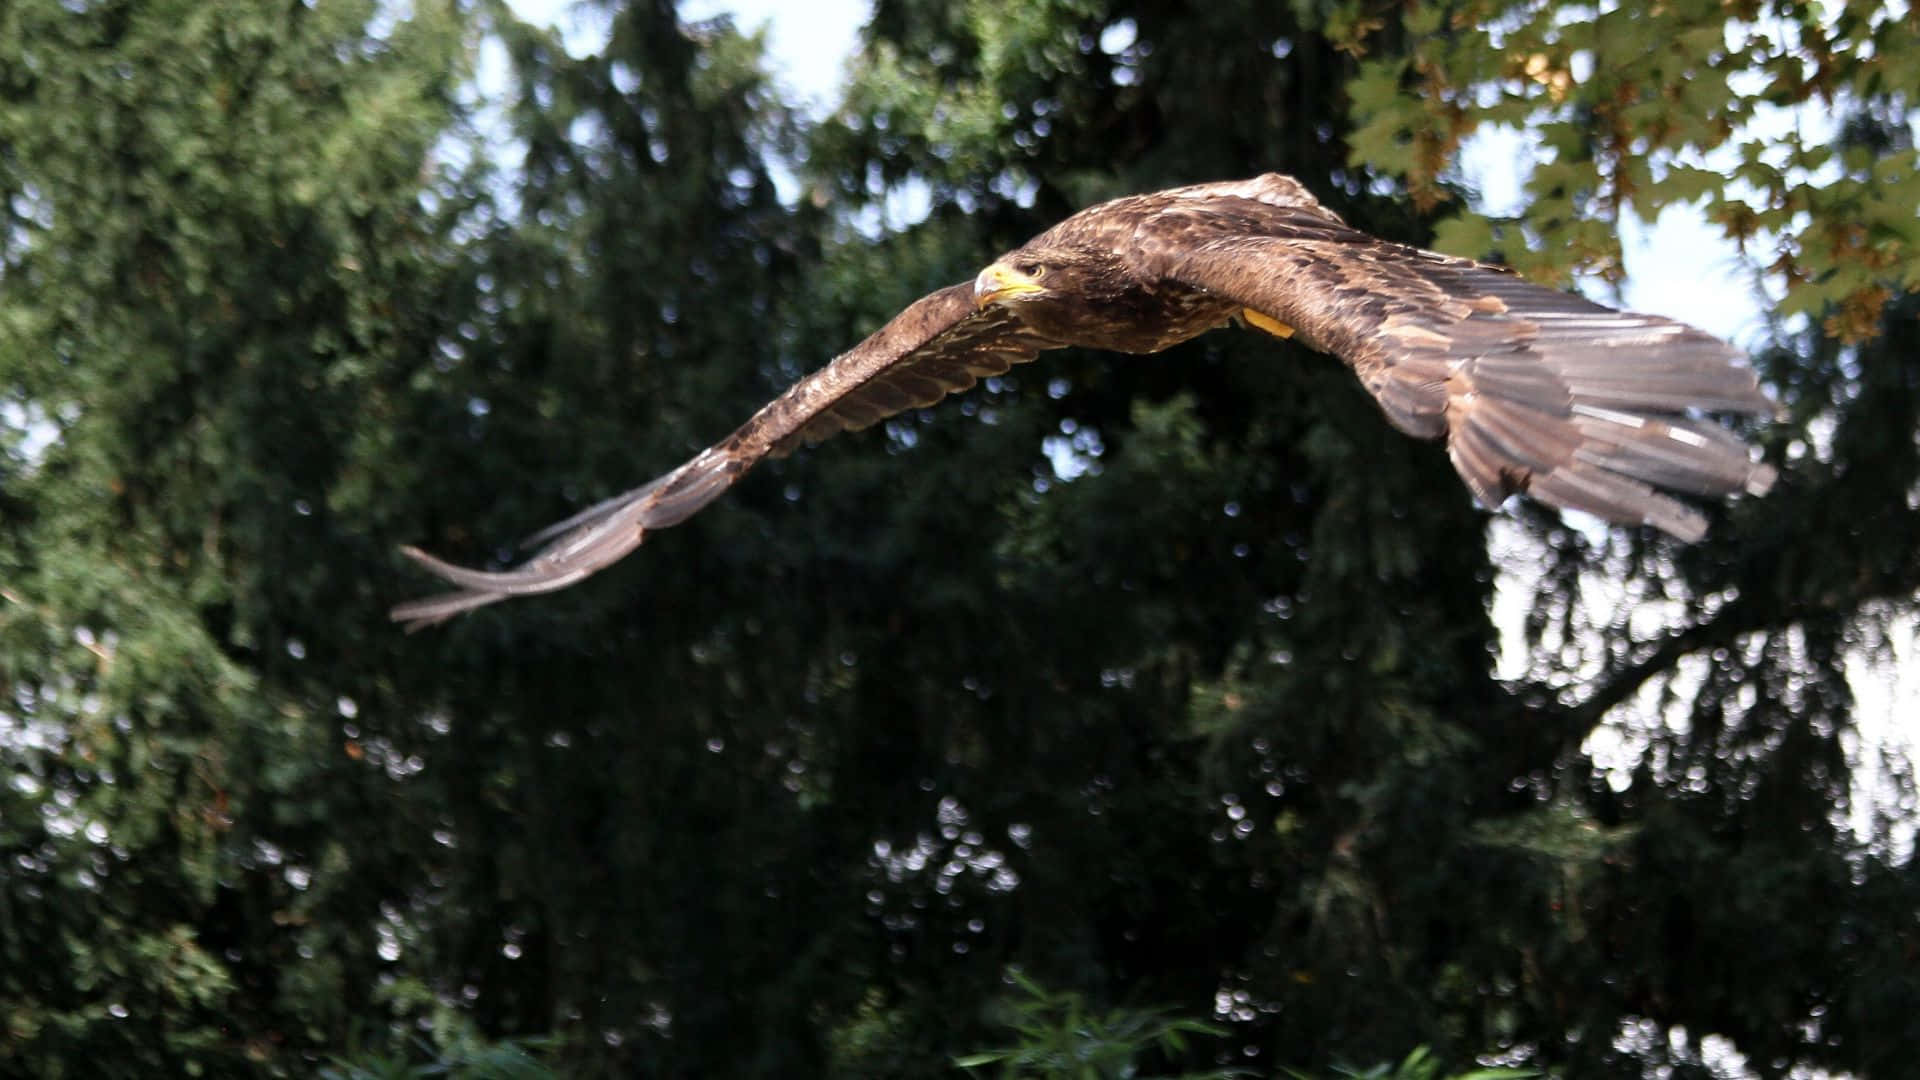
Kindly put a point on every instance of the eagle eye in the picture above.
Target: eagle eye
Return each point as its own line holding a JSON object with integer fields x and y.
{"x": 1033, "y": 270}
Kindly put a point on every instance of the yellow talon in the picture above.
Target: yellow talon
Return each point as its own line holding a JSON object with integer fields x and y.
{"x": 1266, "y": 322}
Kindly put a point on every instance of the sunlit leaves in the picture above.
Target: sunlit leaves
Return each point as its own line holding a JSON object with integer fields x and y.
{"x": 1694, "y": 102}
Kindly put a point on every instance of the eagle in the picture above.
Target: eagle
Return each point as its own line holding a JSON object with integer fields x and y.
{"x": 1534, "y": 390}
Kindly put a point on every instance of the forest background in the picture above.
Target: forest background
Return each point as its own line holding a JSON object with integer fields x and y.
{"x": 1169, "y": 685}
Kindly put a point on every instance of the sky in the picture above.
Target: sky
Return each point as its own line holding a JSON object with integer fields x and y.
{"x": 808, "y": 43}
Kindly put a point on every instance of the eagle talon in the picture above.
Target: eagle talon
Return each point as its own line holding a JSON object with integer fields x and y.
{"x": 1266, "y": 322}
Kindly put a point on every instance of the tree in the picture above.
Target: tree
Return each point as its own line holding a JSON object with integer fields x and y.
{"x": 1559, "y": 914}
{"x": 217, "y": 243}
{"x": 1167, "y": 679}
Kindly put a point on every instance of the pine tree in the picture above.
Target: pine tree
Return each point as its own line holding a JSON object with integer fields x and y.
{"x": 1166, "y": 681}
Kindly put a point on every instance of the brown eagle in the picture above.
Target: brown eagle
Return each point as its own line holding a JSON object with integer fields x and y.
{"x": 1535, "y": 390}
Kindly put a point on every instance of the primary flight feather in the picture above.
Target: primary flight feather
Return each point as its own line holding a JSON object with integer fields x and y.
{"x": 1534, "y": 390}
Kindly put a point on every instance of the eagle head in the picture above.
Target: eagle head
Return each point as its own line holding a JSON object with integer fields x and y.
{"x": 1060, "y": 273}
{"x": 1016, "y": 277}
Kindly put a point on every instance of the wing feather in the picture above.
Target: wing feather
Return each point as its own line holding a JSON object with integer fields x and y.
{"x": 939, "y": 345}
{"x": 1534, "y": 389}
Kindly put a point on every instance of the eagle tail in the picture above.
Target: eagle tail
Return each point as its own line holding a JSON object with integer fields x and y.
{"x": 1614, "y": 463}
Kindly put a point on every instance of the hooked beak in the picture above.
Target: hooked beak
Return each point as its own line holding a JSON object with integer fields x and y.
{"x": 999, "y": 282}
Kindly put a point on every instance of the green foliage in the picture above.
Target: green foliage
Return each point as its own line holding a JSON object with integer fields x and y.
{"x": 1165, "y": 679}
{"x": 1061, "y": 1037}
{"x": 216, "y": 237}
{"x": 1788, "y": 123}
{"x": 1419, "y": 1065}
{"x": 507, "y": 1059}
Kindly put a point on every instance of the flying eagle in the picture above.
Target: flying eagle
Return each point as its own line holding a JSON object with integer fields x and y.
{"x": 1535, "y": 390}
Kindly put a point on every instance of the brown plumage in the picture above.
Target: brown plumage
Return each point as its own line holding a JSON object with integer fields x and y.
{"x": 1535, "y": 390}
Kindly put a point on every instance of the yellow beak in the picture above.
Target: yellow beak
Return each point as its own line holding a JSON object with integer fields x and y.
{"x": 1000, "y": 281}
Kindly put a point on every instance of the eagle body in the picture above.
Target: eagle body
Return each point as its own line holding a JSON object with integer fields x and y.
{"x": 1107, "y": 289}
{"x": 1533, "y": 390}
{"x": 1145, "y": 317}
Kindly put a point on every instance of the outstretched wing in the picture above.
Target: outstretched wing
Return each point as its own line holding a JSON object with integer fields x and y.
{"x": 939, "y": 345}
{"x": 1534, "y": 389}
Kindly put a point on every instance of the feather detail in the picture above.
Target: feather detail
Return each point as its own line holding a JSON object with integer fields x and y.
{"x": 1534, "y": 390}
{"x": 1576, "y": 404}
{"x": 937, "y": 346}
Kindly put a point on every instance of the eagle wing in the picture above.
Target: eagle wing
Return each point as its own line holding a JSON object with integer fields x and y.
{"x": 941, "y": 344}
{"x": 1535, "y": 390}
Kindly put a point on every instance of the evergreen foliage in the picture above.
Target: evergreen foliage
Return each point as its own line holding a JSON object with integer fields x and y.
{"x": 1169, "y": 680}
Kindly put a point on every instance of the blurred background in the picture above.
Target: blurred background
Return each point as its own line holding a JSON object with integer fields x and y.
{"x": 1125, "y": 717}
